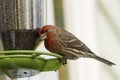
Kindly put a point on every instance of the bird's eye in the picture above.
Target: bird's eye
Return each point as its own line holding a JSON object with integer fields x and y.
{"x": 46, "y": 31}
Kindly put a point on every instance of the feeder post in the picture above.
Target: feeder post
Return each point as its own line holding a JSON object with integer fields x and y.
{"x": 19, "y": 15}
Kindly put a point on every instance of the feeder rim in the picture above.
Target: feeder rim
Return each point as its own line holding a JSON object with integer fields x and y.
{"x": 28, "y": 52}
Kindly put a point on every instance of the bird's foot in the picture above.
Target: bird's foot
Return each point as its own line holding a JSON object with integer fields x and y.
{"x": 64, "y": 61}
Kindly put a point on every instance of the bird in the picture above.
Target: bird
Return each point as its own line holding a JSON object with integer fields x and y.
{"x": 60, "y": 41}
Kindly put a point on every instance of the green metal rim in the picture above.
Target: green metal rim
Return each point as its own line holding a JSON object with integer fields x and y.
{"x": 15, "y": 59}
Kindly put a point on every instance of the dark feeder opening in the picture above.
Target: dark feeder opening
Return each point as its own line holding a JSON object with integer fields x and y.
{"x": 19, "y": 39}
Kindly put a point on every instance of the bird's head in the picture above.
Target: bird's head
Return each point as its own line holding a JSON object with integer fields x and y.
{"x": 47, "y": 31}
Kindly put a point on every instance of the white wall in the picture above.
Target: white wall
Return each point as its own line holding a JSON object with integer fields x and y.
{"x": 108, "y": 28}
{"x": 87, "y": 21}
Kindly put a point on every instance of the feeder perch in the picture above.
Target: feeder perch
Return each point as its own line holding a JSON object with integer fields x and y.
{"x": 28, "y": 59}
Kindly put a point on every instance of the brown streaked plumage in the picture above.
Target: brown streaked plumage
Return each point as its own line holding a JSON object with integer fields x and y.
{"x": 62, "y": 42}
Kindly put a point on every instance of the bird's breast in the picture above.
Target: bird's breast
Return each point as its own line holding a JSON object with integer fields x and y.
{"x": 52, "y": 46}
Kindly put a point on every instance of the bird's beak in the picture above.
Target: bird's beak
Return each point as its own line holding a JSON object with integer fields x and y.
{"x": 43, "y": 36}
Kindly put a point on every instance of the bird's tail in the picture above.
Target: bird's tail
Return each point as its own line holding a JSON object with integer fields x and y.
{"x": 104, "y": 60}
{"x": 92, "y": 55}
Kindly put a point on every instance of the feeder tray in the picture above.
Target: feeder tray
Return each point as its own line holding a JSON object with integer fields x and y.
{"x": 15, "y": 59}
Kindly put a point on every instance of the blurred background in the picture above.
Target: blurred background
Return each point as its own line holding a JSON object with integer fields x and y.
{"x": 97, "y": 24}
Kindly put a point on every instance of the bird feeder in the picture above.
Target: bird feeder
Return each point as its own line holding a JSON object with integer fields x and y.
{"x": 19, "y": 20}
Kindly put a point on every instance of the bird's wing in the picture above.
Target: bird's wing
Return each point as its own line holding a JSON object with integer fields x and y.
{"x": 69, "y": 40}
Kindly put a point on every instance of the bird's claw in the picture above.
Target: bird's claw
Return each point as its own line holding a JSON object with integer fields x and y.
{"x": 64, "y": 61}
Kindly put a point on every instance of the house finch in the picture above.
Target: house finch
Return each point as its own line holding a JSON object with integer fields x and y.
{"x": 62, "y": 42}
